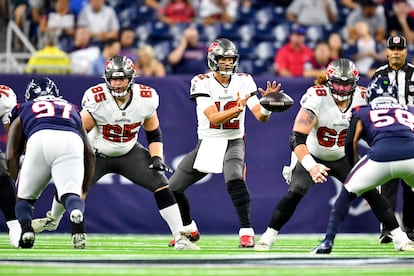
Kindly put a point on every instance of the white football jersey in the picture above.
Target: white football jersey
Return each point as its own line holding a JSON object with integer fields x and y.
{"x": 327, "y": 139}
{"x": 207, "y": 91}
{"x": 8, "y": 100}
{"x": 116, "y": 129}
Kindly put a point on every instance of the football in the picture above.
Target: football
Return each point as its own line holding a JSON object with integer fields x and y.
{"x": 276, "y": 101}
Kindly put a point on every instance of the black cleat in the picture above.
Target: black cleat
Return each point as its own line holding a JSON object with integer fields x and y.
{"x": 386, "y": 237}
{"x": 325, "y": 247}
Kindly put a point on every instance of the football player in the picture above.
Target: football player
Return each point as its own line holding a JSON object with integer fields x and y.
{"x": 113, "y": 112}
{"x": 388, "y": 128}
{"x": 317, "y": 142}
{"x": 50, "y": 132}
{"x": 221, "y": 98}
{"x": 8, "y": 100}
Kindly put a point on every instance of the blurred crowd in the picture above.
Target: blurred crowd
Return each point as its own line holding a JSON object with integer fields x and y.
{"x": 285, "y": 37}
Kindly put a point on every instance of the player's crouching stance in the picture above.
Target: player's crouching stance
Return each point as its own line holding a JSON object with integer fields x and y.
{"x": 388, "y": 128}
{"x": 55, "y": 140}
{"x": 114, "y": 112}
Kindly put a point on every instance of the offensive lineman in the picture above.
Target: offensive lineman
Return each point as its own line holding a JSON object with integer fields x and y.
{"x": 8, "y": 100}
{"x": 388, "y": 128}
{"x": 221, "y": 97}
{"x": 113, "y": 112}
{"x": 317, "y": 143}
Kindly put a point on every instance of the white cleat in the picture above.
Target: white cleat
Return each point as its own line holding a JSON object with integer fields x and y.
{"x": 15, "y": 231}
{"x": 79, "y": 240}
{"x": 76, "y": 216}
{"x": 45, "y": 224}
{"x": 262, "y": 246}
{"x": 266, "y": 240}
{"x": 406, "y": 246}
{"x": 185, "y": 244}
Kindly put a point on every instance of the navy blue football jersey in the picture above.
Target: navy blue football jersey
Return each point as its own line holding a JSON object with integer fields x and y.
{"x": 48, "y": 113}
{"x": 388, "y": 129}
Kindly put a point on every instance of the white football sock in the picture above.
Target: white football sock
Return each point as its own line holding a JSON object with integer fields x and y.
{"x": 172, "y": 216}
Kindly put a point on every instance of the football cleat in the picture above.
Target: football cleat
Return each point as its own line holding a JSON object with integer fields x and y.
{"x": 385, "y": 237}
{"x": 76, "y": 216}
{"x": 45, "y": 224}
{"x": 15, "y": 231}
{"x": 325, "y": 247}
{"x": 266, "y": 240}
{"x": 79, "y": 240}
{"x": 27, "y": 239}
{"x": 246, "y": 241}
{"x": 192, "y": 237}
{"x": 185, "y": 244}
{"x": 262, "y": 246}
{"x": 246, "y": 237}
{"x": 407, "y": 246}
{"x": 78, "y": 235}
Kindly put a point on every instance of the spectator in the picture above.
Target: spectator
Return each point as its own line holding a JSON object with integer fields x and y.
{"x": 366, "y": 55}
{"x": 336, "y": 46}
{"x": 218, "y": 11}
{"x": 189, "y": 56}
{"x": 319, "y": 62}
{"x": 404, "y": 12}
{"x": 127, "y": 40}
{"x": 111, "y": 49}
{"x": 20, "y": 8}
{"x": 177, "y": 11}
{"x": 83, "y": 53}
{"x": 77, "y": 5}
{"x": 50, "y": 59}
{"x": 61, "y": 20}
{"x": 101, "y": 20}
{"x": 291, "y": 58}
{"x": 148, "y": 64}
{"x": 369, "y": 13}
{"x": 303, "y": 12}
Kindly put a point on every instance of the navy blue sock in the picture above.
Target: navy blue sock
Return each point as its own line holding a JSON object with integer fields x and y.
{"x": 338, "y": 213}
{"x": 24, "y": 213}
{"x": 72, "y": 202}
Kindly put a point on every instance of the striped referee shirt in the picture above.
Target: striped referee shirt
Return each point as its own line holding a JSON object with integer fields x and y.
{"x": 403, "y": 78}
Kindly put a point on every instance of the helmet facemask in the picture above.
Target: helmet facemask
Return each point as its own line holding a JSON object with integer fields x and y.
{"x": 119, "y": 67}
{"x": 222, "y": 48}
{"x": 343, "y": 77}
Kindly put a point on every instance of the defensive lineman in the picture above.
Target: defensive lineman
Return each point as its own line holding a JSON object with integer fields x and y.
{"x": 388, "y": 128}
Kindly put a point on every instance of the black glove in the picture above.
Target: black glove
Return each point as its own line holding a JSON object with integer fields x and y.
{"x": 158, "y": 165}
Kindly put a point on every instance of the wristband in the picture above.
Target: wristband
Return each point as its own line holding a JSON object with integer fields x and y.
{"x": 308, "y": 162}
{"x": 265, "y": 111}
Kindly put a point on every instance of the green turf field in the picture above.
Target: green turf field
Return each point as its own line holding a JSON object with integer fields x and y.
{"x": 219, "y": 255}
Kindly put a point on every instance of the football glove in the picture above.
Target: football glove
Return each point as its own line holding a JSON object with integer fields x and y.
{"x": 158, "y": 165}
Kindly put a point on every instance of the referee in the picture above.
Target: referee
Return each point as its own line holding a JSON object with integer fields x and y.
{"x": 401, "y": 74}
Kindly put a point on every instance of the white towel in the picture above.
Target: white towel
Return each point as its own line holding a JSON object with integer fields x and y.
{"x": 210, "y": 155}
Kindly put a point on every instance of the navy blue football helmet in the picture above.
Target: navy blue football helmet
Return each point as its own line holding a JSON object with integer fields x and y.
{"x": 381, "y": 87}
{"x": 41, "y": 86}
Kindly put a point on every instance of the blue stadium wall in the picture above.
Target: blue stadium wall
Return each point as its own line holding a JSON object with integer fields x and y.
{"x": 115, "y": 205}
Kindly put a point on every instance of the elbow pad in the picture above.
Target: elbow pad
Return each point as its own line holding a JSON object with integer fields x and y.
{"x": 154, "y": 135}
{"x": 297, "y": 138}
